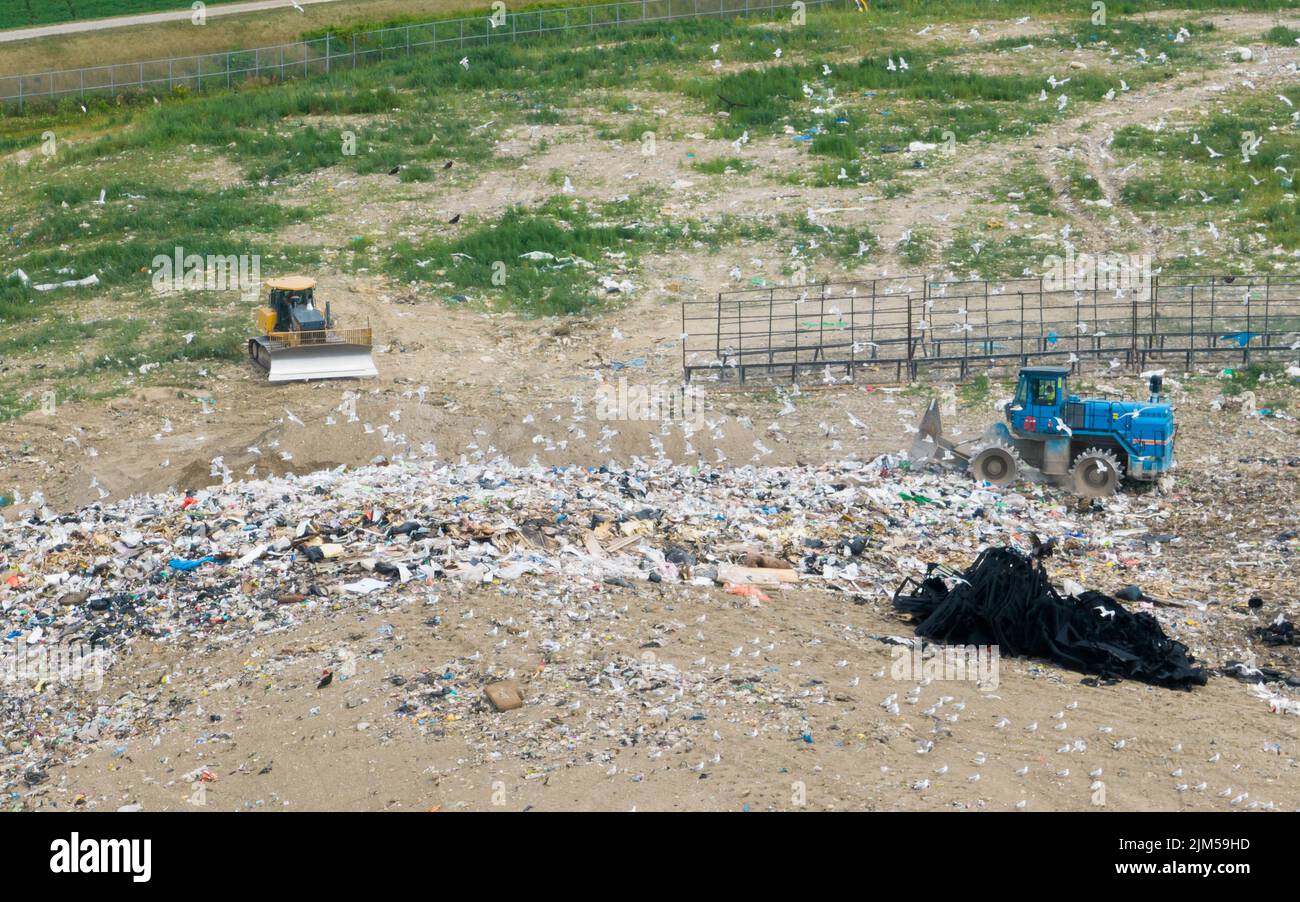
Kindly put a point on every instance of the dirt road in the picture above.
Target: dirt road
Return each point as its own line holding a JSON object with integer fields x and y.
{"x": 178, "y": 15}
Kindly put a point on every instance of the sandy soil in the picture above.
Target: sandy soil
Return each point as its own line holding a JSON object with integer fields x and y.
{"x": 573, "y": 748}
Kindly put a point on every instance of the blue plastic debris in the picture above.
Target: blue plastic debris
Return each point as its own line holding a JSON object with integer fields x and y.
{"x": 177, "y": 563}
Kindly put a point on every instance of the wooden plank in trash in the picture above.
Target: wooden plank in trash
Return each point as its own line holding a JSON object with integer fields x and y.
{"x": 756, "y": 576}
{"x": 593, "y": 544}
{"x": 620, "y": 544}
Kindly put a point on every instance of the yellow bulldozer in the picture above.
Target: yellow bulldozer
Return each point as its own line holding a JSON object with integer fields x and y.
{"x": 297, "y": 341}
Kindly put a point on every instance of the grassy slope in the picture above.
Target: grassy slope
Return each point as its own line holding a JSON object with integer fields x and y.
{"x": 417, "y": 113}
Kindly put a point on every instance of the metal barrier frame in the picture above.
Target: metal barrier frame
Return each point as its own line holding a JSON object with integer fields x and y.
{"x": 914, "y": 323}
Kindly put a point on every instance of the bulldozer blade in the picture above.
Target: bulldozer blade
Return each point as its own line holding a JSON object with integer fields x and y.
{"x": 931, "y": 426}
{"x": 930, "y": 442}
{"x": 926, "y": 443}
{"x": 337, "y": 361}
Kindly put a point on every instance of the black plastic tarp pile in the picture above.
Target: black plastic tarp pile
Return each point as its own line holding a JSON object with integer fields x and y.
{"x": 1005, "y": 599}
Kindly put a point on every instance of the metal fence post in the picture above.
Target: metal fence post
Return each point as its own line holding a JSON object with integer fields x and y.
{"x": 911, "y": 352}
{"x": 1267, "y": 284}
{"x": 1133, "y": 327}
{"x": 717, "y": 349}
{"x": 1245, "y": 348}
{"x": 227, "y": 69}
{"x": 685, "y": 340}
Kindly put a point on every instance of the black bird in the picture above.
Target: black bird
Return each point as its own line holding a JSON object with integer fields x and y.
{"x": 455, "y": 219}
{"x": 1042, "y": 549}
{"x": 395, "y": 170}
{"x": 447, "y": 165}
{"x": 325, "y": 680}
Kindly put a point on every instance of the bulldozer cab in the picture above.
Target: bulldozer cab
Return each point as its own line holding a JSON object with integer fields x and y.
{"x": 290, "y": 297}
{"x": 292, "y": 300}
{"x": 1040, "y": 398}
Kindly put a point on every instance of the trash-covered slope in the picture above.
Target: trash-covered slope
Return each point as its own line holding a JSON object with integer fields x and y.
{"x": 542, "y": 576}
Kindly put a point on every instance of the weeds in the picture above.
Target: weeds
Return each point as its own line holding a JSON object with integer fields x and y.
{"x": 722, "y": 166}
{"x": 916, "y": 246}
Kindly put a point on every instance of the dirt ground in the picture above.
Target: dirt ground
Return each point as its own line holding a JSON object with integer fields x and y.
{"x": 281, "y": 743}
{"x": 729, "y": 693}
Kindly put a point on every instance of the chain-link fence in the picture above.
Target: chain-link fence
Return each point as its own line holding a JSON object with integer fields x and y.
{"x": 329, "y": 53}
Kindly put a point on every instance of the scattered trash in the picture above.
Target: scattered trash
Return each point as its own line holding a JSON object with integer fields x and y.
{"x": 504, "y": 696}
{"x": 1280, "y": 632}
{"x": 570, "y": 544}
{"x": 87, "y": 282}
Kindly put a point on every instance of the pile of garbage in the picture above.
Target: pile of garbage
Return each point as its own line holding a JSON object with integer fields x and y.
{"x": 562, "y": 545}
{"x": 256, "y": 554}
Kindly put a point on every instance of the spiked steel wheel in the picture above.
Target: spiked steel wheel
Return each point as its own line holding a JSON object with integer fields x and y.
{"x": 1096, "y": 473}
{"x": 995, "y": 463}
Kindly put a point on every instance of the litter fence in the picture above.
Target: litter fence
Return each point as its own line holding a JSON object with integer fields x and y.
{"x": 911, "y": 325}
{"x": 329, "y": 53}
